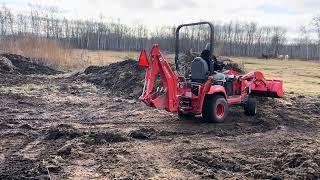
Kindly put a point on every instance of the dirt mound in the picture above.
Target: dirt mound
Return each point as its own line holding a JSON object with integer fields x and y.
{"x": 17, "y": 167}
{"x": 123, "y": 78}
{"x": 16, "y": 64}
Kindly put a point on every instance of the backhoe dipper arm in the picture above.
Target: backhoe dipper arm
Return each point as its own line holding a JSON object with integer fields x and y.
{"x": 158, "y": 65}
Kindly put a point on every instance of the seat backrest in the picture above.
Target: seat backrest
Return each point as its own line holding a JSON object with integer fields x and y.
{"x": 199, "y": 70}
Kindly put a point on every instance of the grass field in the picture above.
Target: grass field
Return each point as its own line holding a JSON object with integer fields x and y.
{"x": 299, "y": 76}
{"x": 103, "y": 57}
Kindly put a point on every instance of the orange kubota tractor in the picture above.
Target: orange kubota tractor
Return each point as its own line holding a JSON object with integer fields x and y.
{"x": 201, "y": 93}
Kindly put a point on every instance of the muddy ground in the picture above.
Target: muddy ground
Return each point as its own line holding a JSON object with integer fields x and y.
{"x": 57, "y": 127}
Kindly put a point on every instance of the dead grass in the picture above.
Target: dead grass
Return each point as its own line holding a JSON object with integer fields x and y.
{"x": 47, "y": 51}
{"x": 104, "y": 57}
{"x": 57, "y": 56}
{"x": 299, "y": 76}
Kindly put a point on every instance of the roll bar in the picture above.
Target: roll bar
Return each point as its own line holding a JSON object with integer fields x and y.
{"x": 177, "y": 45}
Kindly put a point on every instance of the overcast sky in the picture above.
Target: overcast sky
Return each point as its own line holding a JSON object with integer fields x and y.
{"x": 288, "y": 13}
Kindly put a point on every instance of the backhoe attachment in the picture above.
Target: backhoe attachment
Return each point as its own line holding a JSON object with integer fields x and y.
{"x": 166, "y": 96}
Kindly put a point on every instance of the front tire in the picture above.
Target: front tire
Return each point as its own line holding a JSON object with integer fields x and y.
{"x": 251, "y": 106}
{"x": 215, "y": 109}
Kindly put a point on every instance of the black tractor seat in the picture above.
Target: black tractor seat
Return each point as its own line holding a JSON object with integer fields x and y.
{"x": 199, "y": 70}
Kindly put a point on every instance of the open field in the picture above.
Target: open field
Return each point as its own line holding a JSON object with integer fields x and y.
{"x": 104, "y": 57}
{"x": 61, "y": 126}
{"x": 298, "y": 76}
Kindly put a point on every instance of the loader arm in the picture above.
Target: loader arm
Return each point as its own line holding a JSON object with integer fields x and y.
{"x": 166, "y": 99}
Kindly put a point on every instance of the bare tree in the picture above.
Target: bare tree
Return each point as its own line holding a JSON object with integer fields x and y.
{"x": 277, "y": 40}
{"x": 305, "y": 39}
{"x": 316, "y": 24}
{"x": 231, "y": 39}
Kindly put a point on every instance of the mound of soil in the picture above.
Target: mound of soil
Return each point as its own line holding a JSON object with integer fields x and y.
{"x": 123, "y": 78}
{"x": 17, "y": 64}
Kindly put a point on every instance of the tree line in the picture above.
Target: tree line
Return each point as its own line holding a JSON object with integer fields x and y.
{"x": 231, "y": 39}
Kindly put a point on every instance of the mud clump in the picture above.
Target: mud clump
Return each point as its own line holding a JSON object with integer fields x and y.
{"x": 143, "y": 133}
{"x": 26, "y": 127}
{"x": 104, "y": 138}
{"x": 17, "y": 64}
{"x": 123, "y": 78}
{"x": 62, "y": 132}
{"x": 17, "y": 167}
{"x": 6, "y": 65}
{"x": 65, "y": 150}
{"x": 4, "y": 126}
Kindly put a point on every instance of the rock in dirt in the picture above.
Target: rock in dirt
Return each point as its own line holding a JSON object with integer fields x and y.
{"x": 52, "y": 165}
{"x": 143, "y": 133}
{"x": 54, "y": 168}
{"x": 122, "y": 78}
{"x": 17, "y": 64}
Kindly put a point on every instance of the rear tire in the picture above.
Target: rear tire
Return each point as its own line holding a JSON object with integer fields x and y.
{"x": 251, "y": 106}
{"x": 215, "y": 109}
